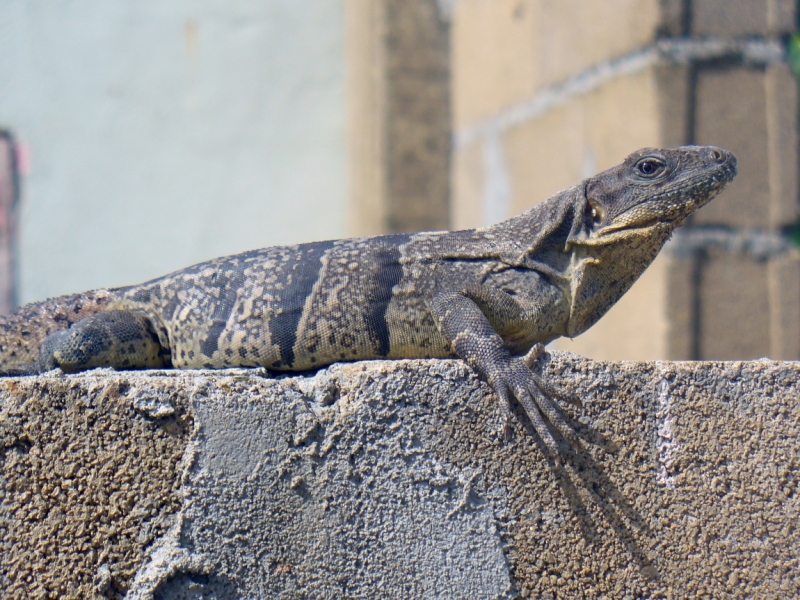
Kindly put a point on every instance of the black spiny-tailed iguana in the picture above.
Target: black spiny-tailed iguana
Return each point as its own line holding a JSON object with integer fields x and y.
{"x": 486, "y": 295}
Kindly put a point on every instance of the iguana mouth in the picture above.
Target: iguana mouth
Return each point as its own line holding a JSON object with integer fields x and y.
{"x": 672, "y": 207}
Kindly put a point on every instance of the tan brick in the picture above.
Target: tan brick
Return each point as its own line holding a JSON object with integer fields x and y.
{"x": 781, "y": 101}
{"x": 493, "y": 67}
{"x": 742, "y": 17}
{"x": 681, "y": 275}
{"x": 742, "y": 307}
{"x": 731, "y": 113}
{"x": 587, "y": 135}
{"x": 366, "y": 99}
{"x": 504, "y": 51}
{"x": 467, "y": 210}
{"x": 673, "y": 17}
{"x": 784, "y": 295}
{"x": 673, "y": 94}
{"x": 547, "y": 155}
{"x": 734, "y": 308}
{"x": 741, "y": 109}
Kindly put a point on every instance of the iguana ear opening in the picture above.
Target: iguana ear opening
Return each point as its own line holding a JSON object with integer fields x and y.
{"x": 597, "y": 213}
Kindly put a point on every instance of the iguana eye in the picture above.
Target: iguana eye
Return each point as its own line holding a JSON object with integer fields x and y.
{"x": 597, "y": 213}
{"x": 649, "y": 167}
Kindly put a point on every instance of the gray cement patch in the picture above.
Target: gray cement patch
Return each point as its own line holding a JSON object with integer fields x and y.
{"x": 322, "y": 502}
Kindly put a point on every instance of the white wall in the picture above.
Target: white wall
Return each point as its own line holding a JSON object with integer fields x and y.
{"x": 165, "y": 133}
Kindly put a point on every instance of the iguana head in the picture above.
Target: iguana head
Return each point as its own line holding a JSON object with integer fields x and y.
{"x": 629, "y": 213}
{"x": 653, "y": 188}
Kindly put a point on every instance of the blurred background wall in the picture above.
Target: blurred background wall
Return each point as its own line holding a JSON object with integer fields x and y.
{"x": 159, "y": 136}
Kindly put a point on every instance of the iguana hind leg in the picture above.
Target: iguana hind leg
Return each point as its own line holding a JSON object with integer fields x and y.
{"x": 116, "y": 338}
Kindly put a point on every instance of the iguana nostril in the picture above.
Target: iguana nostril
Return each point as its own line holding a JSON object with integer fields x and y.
{"x": 717, "y": 156}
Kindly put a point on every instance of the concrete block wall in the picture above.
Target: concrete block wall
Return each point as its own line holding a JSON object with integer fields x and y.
{"x": 390, "y": 480}
{"x": 545, "y": 94}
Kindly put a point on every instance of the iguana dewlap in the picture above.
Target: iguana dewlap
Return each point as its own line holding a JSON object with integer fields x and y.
{"x": 486, "y": 295}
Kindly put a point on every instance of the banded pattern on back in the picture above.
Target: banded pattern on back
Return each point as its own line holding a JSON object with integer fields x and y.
{"x": 300, "y": 307}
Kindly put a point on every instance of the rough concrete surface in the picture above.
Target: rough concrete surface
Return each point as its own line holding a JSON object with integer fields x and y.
{"x": 389, "y": 479}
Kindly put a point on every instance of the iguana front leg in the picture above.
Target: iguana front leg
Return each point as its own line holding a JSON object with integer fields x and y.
{"x": 473, "y": 320}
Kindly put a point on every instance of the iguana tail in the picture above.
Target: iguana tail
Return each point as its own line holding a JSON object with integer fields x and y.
{"x": 23, "y": 331}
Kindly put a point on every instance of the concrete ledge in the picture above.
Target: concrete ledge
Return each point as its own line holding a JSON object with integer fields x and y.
{"x": 387, "y": 479}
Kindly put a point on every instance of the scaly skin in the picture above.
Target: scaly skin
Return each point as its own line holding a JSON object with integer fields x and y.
{"x": 486, "y": 295}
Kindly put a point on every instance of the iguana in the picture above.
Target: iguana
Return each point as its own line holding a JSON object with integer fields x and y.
{"x": 486, "y": 295}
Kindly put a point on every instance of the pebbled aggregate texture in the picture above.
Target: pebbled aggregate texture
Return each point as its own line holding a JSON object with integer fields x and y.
{"x": 87, "y": 483}
{"x": 390, "y": 479}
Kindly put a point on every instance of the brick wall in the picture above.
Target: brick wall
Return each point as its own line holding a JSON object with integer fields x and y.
{"x": 545, "y": 94}
{"x": 541, "y": 94}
